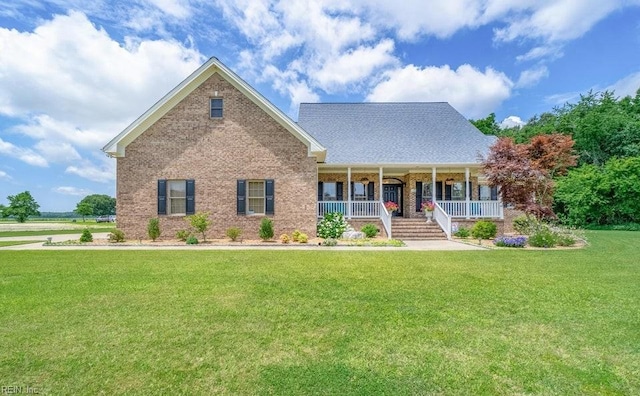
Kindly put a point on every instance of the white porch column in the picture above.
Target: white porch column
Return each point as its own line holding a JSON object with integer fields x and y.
{"x": 380, "y": 187}
{"x": 433, "y": 185}
{"x": 349, "y": 193}
{"x": 466, "y": 192}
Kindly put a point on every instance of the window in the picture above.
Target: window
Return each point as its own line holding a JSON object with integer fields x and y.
{"x": 177, "y": 193}
{"x": 427, "y": 194}
{"x": 329, "y": 191}
{"x": 255, "y": 197}
{"x": 457, "y": 191}
{"x": 216, "y": 108}
{"x": 359, "y": 191}
{"x": 485, "y": 193}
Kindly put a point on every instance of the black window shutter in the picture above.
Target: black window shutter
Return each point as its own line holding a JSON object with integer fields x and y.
{"x": 339, "y": 188}
{"x": 352, "y": 192}
{"x": 479, "y": 194}
{"x": 438, "y": 191}
{"x": 494, "y": 193}
{"x": 191, "y": 196}
{"x": 470, "y": 191}
{"x": 268, "y": 196}
{"x": 371, "y": 188}
{"x": 418, "y": 196}
{"x": 242, "y": 196}
{"x": 320, "y": 191}
{"x": 447, "y": 192}
{"x": 162, "y": 197}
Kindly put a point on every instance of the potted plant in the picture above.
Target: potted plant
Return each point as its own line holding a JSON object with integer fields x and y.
{"x": 391, "y": 206}
{"x": 428, "y": 208}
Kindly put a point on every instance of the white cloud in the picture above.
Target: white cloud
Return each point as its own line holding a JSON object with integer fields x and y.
{"x": 73, "y": 86}
{"x": 531, "y": 77}
{"x": 562, "y": 98}
{"x": 549, "y": 52}
{"x": 472, "y": 92}
{"x": 75, "y": 191}
{"x": 103, "y": 172}
{"x": 626, "y": 86}
{"x": 55, "y": 151}
{"x": 23, "y": 154}
{"x": 511, "y": 122}
{"x": 4, "y": 176}
{"x": 557, "y": 21}
{"x": 354, "y": 66}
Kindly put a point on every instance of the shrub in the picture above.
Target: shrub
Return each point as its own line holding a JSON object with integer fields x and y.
{"x": 284, "y": 238}
{"x": 330, "y": 242}
{"x": 295, "y": 235}
{"x": 266, "y": 229}
{"x": 515, "y": 242}
{"x": 303, "y": 238}
{"x": 201, "y": 223}
{"x": 484, "y": 230}
{"x": 332, "y": 225}
{"x": 234, "y": 233}
{"x": 86, "y": 236}
{"x": 462, "y": 232}
{"x": 525, "y": 225}
{"x": 153, "y": 228}
{"x": 565, "y": 239}
{"x": 182, "y": 235}
{"x": 116, "y": 236}
{"x": 191, "y": 240}
{"x": 543, "y": 237}
{"x": 370, "y": 230}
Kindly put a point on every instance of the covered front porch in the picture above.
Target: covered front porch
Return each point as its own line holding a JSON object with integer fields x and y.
{"x": 459, "y": 192}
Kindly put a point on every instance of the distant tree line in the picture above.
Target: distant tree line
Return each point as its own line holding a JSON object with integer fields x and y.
{"x": 604, "y": 188}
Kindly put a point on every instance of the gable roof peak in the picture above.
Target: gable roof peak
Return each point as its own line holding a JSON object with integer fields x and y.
{"x": 116, "y": 147}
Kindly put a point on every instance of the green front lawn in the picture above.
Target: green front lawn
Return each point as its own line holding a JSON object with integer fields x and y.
{"x": 324, "y": 322}
{"x": 55, "y": 232}
{"x": 14, "y": 243}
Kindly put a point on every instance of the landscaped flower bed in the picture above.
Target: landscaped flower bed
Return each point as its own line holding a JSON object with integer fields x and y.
{"x": 510, "y": 241}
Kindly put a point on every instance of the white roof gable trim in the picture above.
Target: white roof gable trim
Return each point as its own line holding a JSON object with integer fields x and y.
{"x": 116, "y": 147}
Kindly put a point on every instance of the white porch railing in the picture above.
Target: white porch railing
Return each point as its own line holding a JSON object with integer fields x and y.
{"x": 474, "y": 209}
{"x": 385, "y": 216}
{"x": 443, "y": 219}
{"x": 359, "y": 209}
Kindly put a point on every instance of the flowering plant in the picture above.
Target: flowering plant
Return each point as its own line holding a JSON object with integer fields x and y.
{"x": 428, "y": 206}
{"x": 506, "y": 241}
{"x": 391, "y": 206}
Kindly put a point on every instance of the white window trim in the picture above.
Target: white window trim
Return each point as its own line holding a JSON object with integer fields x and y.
{"x": 263, "y": 198}
{"x": 170, "y": 198}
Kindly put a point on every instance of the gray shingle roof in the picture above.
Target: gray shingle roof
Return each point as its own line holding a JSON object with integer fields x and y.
{"x": 393, "y": 133}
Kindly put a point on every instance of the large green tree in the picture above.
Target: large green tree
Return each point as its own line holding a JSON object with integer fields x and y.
{"x": 488, "y": 125}
{"x": 21, "y": 206}
{"x": 101, "y": 204}
{"x": 84, "y": 209}
{"x": 598, "y": 195}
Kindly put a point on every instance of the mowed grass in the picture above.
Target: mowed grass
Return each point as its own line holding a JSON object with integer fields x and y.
{"x": 14, "y": 243}
{"x": 55, "y": 232}
{"x": 324, "y": 322}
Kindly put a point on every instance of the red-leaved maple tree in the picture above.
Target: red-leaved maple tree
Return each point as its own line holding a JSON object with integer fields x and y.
{"x": 524, "y": 172}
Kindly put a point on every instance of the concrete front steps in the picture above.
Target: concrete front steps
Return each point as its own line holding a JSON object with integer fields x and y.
{"x": 416, "y": 229}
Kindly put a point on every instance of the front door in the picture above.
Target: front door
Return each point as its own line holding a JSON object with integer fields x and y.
{"x": 393, "y": 193}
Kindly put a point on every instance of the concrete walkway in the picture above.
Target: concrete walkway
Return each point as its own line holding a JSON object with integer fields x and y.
{"x": 410, "y": 245}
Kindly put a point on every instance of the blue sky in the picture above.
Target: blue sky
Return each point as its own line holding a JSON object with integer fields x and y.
{"x": 74, "y": 73}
